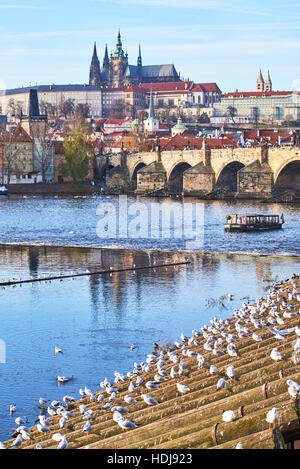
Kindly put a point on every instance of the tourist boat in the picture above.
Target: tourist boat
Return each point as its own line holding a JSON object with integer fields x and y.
{"x": 255, "y": 222}
{"x": 3, "y": 190}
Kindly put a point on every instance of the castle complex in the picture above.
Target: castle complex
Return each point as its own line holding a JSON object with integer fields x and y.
{"x": 116, "y": 71}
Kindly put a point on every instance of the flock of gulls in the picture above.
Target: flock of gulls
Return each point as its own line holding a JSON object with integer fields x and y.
{"x": 221, "y": 337}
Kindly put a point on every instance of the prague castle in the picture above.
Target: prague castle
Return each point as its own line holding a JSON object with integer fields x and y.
{"x": 116, "y": 71}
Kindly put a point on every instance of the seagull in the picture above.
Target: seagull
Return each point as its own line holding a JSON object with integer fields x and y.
{"x": 57, "y": 350}
{"x": 17, "y": 442}
{"x": 118, "y": 408}
{"x": 117, "y": 416}
{"x": 294, "y": 389}
{"x": 275, "y": 355}
{"x": 239, "y": 446}
{"x": 126, "y": 424}
{"x": 100, "y": 398}
{"x": 183, "y": 388}
{"x": 42, "y": 428}
{"x": 131, "y": 387}
{"x": 221, "y": 383}
{"x": 230, "y": 372}
{"x": 129, "y": 400}
{"x": 62, "y": 422}
{"x": 228, "y": 416}
{"x": 132, "y": 347}
{"x": 212, "y": 369}
{"x": 151, "y": 385}
{"x": 57, "y": 437}
{"x": 272, "y": 417}
{"x": 63, "y": 444}
{"x": 12, "y": 408}
{"x": 149, "y": 400}
{"x": 87, "y": 427}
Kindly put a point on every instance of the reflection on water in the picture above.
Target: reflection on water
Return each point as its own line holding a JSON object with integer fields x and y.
{"x": 95, "y": 319}
{"x": 73, "y": 222}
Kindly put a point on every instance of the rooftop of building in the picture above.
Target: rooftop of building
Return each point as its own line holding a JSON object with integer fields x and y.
{"x": 49, "y": 88}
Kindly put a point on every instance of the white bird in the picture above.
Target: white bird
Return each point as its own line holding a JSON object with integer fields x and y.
{"x": 12, "y": 408}
{"x": 275, "y": 355}
{"x": 139, "y": 381}
{"x": 221, "y": 383}
{"x": 57, "y": 437}
{"x": 239, "y": 446}
{"x": 131, "y": 387}
{"x": 17, "y": 442}
{"x": 118, "y": 408}
{"x": 87, "y": 427}
{"x": 151, "y": 385}
{"x": 126, "y": 424}
{"x": 117, "y": 416}
{"x": 183, "y": 388}
{"x": 82, "y": 409}
{"x": 212, "y": 369}
{"x": 297, "y": 345}
{"x": 63, "y": 443}
{"x": 57, "y": 350}
{"x": 100, "y": 398}
{"x": 148, "y": 399}
{"x": 132, "y": 347}
{"x": 272, "y": 417}
{"x": 230, "y": 372}
{"x": 228, "y": 416}
{"x": 173, "y": 373}
{"x": 42, "y": 428}
{"x": 293, "y": 389}
{"x": 129, "y": 400}
{"x": 62, "y": 422}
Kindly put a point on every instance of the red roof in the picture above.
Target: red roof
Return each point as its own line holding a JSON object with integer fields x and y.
{"x": 169, "y": 86}
{"x": 117, "y": 121}
{"x": 178, "y": 142}
{"x": 16, "y": 134}
{"x": 206, "y": 87}
{"x": 259, "y": 94}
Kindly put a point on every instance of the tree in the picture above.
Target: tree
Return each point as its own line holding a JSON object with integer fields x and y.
{"x": 11, "y": 152}
{"x": 77, "y": 156}
{"x": 231, "y": 112}
{"x": 67, "y": 108}
{"x": 43, "y": 151}
{"x": 82, "y": 111}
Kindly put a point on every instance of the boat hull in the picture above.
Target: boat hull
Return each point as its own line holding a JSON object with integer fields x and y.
{"x": 231, "y": 228}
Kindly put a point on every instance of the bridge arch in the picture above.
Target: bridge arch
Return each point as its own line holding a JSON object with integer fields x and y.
{"x": 288, "y": 176}
{"x": 175, "y": 178}
{"x": 227, "y": 177}
{"x": 139, "y": 166}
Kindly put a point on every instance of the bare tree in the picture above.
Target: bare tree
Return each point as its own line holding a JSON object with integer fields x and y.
{"x": 67, "y": 108}
{"x": 43, "y": 152}
{"x": 11, "y": 152}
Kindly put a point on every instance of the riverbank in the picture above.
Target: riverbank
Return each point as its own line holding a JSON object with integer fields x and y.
{"x": 193, "y": 419}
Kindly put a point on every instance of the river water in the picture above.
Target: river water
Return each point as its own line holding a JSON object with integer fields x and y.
{"x": 95, "y": 319}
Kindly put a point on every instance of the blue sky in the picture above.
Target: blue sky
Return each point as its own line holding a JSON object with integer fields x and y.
{"x": 44, "y": 41}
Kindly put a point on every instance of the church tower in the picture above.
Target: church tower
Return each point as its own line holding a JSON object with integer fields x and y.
{"x": 260, "y": 83}
{"x": 105, "y": 60}
{"x": 140, "y": 62}
{"x": 268, "y": 83}
{"x": 95, "y": 74}
{"x": 118, "y": 64}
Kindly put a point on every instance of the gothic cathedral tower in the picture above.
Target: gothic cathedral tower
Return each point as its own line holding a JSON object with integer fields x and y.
{"x": 117, "y": 65}
{"x": 95, "y": 73}
{"x": 268, "y": 83}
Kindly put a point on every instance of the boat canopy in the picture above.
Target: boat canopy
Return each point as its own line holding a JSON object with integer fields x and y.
{"x": 235, "y": 219}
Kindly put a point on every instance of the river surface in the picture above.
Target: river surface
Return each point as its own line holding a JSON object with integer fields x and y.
{"x": 134, "y": 224}
{"x": 95, "y": 319}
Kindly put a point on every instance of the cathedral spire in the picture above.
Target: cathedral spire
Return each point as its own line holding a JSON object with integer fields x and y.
{"x": 95, "y": 74}
{"x": 119, "y": 49}
{"x": 139, "y": 61}
{"x": 106, "y": 59}
{"x": 151, "y": 105}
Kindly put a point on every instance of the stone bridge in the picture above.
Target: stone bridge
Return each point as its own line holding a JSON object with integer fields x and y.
{"x": 257, "y": 171}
